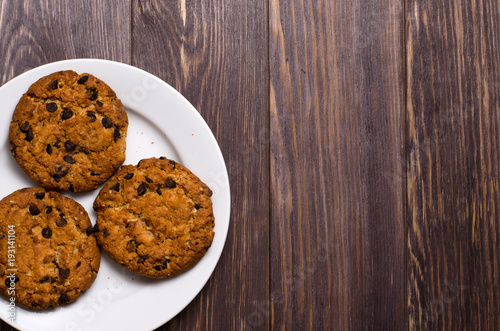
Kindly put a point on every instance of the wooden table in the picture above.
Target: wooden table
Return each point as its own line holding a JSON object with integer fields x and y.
{"x": 362, "y": 140}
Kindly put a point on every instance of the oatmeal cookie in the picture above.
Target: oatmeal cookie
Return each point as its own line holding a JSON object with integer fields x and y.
{"x": 48, "y": 252}
{"x": 68, "y": 132}
{"x": 156, "y": 218}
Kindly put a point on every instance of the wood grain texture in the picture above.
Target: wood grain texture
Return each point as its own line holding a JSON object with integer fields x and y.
{"x": 453, "y": 192}
{"x": 337, "y": 144}
{"x": 215, "y": 54}
{"x": 37, "y": 32}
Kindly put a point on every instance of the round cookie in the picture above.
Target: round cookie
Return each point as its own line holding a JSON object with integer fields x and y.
{"x": 68, "y": 132}
{"x": 54, "y": 254}
{"x": 156, "y": 218}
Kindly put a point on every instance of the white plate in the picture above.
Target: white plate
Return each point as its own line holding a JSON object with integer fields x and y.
{"x": 162, "y": 123}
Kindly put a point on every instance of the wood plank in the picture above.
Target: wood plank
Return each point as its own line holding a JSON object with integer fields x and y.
{"x": 215, "y": 54}
{"x": 453, "y": 144}
{"x": 36, "y": 32}
{"x": 337, "y": 160}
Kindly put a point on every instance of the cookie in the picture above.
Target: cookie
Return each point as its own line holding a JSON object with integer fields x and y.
{"x": 156, "y": 218}
{"x": 48, "y": 253}
{"x": 68, "y": 132}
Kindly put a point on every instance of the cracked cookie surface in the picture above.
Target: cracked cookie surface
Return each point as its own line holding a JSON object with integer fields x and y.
{"x": 156, "y": 218}
{"x": 55, "y": 255}
{"x": 68, "y": 132}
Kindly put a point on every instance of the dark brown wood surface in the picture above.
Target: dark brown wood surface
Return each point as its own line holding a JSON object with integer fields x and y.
{"x": 361, "y": 138}
{"x": 453, "y": 158}
{"x": 337, "y": 119}
{"x": 203, "y": 50}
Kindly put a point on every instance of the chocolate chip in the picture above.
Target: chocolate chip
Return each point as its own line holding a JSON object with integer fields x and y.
{"x": 71, "y": 188}
{"x": 172, "y": 162}
{"x": 69, "y": 159}
{"x": 116, "y": 134}
{"x": 63, "y": 274}
{"x": 197, "y": 206}
{"x": 48, "y": 210}
{"x": 141, "y": 189}
{"x": 89, "y": 230}
{"x": 63, "y": 298}
{"x": 70, "y": 146}
{"x": 78, "y": 264}
{"x": 105, "y": 233}
{"x": 34, "y": 210}
{"x": 53, "y": 85}
{"x": 159, "y": 267}
{"x": 162, "y": 157}
{"x": 131, "y": 245}
{"x": 129, "y": 176}
{"x": 93, "y": 93}
{"x": 107, "y": 122}
{"x": 158, "y": 190}
{"x": 93, "y": 173}
{"x": 44, "y": 279}
{"x": 40, "y": 195}
{"x": 61, "y": 221}
{"x": 25, "y": 127}
{"x": 96, "y": 228}
{"x": 46, "y": 233}
{"x": 49, "y": 149}
{"x": 29, "y": 136}
{"x": 91, "y": 116}
{"x": 62, "y": 170}
{"x": 116, "y": 187}
{"x": 83, "y": 79}
{"x": 98, "y": 103}
{"x": 8, "y": 280}
{"x": 66, "y": 114}
{"x": 149, "y": 180}
{"x": 51, "y": 107}
{"x": 57, "y": 178}
{"x": 170, "y": 183}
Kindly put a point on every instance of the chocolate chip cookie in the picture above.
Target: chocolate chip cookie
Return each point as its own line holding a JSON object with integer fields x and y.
{"x": 48, "y": 252}
{"x": 156, "y": 218}
{"x": 68, "y": 132}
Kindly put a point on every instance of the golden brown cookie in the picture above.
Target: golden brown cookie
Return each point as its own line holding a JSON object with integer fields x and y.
{"x": 48, "y": 253}
{"x": 68, "y": 132}
{"x": 156, "y": 218}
